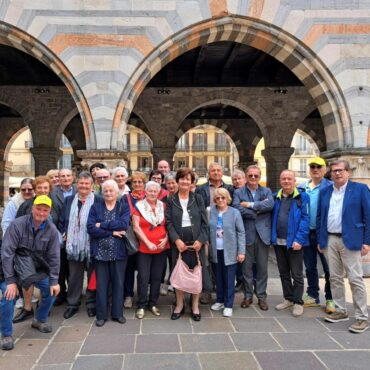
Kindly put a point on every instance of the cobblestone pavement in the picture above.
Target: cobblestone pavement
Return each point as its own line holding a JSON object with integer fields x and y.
{"x": 251, "y": 339}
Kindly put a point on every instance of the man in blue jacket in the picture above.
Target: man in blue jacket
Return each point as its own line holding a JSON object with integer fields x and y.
{"x": 312, "y": 187}
{"x": 343, "y": 230}
{"x": 290, "y": 230}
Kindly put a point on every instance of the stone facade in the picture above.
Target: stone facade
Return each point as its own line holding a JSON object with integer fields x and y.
{"x": 107, "y": 51}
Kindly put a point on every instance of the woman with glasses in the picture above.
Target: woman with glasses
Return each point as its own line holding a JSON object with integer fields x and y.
{"x": 227, "y": 242}
{"x": 10, "y": 211}
{"x": 157, "y": 176}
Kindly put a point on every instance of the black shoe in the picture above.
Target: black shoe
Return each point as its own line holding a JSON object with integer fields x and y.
{"x": 196, "y": 316}
{"x": 59, "y": 300}
{"x": 69, "y": 312}
{"x": 23, "y": 315}
{"x": 91, "y": 312}
{"x": 121, "y": 320}
{"x": 100, "y": 323}
{"x": 177, "y": 315}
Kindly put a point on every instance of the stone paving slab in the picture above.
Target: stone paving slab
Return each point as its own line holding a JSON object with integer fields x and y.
{"x": 255, "y": 342}
{"x": 108, "y": 344}
{"x": 301, "y": 324}
{"x": 132, "y": 326}
{"x": 222, "y": 361}
{"x": 151, "y": 326}
{"x": 213, "y": 325}
{"x": 288, "y": 361}
{"x": 206, "y": 343}
{"x": 60, "y": 353}
{"x": 75, "y": 333}
{"x": 352, "y": 341}
{"x": 305, "y": 341}
{"x": 344, "y": 360}
{"x": 94, "y": 362}
{"x": 260, "y": 325}
{"x": 157, "y": 343}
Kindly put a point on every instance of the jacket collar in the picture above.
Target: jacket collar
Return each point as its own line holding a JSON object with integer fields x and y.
{"x": 280, "y": 193}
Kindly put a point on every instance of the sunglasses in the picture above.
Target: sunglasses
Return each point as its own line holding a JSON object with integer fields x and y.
{"x": 218, "y": 198}
{"x": 313, "y": 166}
{"x": 252, "y": 176}
{"x": 26, "y": 190}
{"x": 339, "y": 170}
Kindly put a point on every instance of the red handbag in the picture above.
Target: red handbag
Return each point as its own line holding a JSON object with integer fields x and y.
{"x": 92, "y": 281}
{"x": 185, "y": 279}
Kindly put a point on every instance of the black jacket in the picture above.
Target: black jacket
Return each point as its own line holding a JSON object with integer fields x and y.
{"x": 197, "y": 213}
{"x": 203, "y": 190}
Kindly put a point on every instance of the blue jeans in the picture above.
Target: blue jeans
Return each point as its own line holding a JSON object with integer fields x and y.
{"x": 6, "y": 313}
{"x": 310, "y": 261}
{"x": 225, "y": 280}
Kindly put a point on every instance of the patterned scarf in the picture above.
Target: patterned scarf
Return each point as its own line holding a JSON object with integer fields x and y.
{"x": 78, "y": 240}
{"x": 155, "y": 218}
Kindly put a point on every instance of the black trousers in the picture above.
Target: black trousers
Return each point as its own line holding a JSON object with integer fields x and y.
{"x": 150, "y": 270}
{"x": 63, "y": 272}
{"x": 113, "y": 273}
{"x": 290, "y": 264}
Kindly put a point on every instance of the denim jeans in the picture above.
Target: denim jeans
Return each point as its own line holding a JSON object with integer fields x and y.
{"x": 47, "y": 300}
{"x": 6, "y": 313}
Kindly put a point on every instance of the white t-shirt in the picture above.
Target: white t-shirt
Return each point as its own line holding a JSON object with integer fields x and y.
{"x": 185, "y": 214}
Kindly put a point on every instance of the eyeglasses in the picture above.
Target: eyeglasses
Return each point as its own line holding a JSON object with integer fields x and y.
{"x": 218, "y": 198}
{"x": 252, "y": 176}
{"x": 313, "y": 166}
{"x": 339, "y": 170}
{"x": 102, "y": 177}
{"x": 26, "y": 190}
{"x": 156, "y": 178}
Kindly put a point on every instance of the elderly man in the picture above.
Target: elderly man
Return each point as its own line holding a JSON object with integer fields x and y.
{"x": 30, "y": 256}
{"x": 255, "y": 204}
{"x": 101, "y": 176}
{"x": 59, "y": 193}
{"x": 215, "y": 173}
{"x": 290, "y": 231}
{"x": 343, "y": 233}
{"x": 313, "y": 187}
{"x": 164, "y": 167}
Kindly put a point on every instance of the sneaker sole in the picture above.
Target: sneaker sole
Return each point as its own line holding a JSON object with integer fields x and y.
{"x": 357, "y": 331}
{"x": 311, "y": 305}
{"x": 330, "y": 310}
{"x": 329, "y": 319}
{"x": 217, "y": 309}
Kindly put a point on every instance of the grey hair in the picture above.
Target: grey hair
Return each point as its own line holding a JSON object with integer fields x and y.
{"x": 237, "y": 173}
{"x": 119, "y": 169}
{"x": 85, "y": 175}
{"x": 346, "y": 163}
{"x": 111, "y": 183}
{"x": 152, "y": 183}
{"x": 170, "y": 176}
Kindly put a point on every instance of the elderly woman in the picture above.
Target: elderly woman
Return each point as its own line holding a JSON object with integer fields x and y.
{"x": 227, "y": 237}
{"x": 150, "y": 226}
{"x": 120, "y": 176}
{"x": 157, "y": 176}
{"x": 187, "y": 227}
{"x": 107, "y": 224}
{"x": 170, "y": 184}
{"x": 138, "y": 180}
{"x": 53, "y": 175}
{"x": 238, "y": 179}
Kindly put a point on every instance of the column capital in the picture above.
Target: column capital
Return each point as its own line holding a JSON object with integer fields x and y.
{"x": 111, "y": 158}
{"x": 45, "y": 158}
{"x": 163, "y": 153}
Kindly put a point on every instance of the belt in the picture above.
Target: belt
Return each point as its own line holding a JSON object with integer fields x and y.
{"x": 339, "y": 235}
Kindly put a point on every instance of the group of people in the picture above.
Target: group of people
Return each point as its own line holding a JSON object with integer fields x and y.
{"x": 55, "y": 230}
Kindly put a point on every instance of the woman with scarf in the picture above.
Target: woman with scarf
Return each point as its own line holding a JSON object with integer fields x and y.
{"x": 107, "y": 223}
{"x": 73, "y": 225}
{"x": 150, "y": 226}
{"x": 138, "y": 180}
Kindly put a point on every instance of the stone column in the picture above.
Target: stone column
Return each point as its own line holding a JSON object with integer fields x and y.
{"x": 5, "y": 168}
{"x": 277, "y": 159}
{"x": 245, "y": 162}
{"x": 45, "y": 159}
{"x": 111, "y": 158}
{"x": 163, "y": 153}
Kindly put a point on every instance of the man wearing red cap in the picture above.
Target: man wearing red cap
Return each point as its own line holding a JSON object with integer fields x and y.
{"x": 30, "y": 255}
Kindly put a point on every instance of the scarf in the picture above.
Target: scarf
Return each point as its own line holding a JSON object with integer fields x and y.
{"x": 147, "y": 212}
{"x": 78, "y": 240}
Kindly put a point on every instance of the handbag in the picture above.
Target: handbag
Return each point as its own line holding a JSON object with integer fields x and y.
{"x": 132, "y": 243}
{"x": 185, "y": 279}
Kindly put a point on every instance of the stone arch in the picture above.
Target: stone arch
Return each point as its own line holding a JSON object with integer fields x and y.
{"x": 16, "y": 132}
{"x": 15, "y": 37}
{"x": 281, "y": 45}
{"x": 309, "y": 138}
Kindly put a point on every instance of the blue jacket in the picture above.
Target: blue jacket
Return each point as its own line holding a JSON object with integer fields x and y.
{"x": 106, "y": 229}
{"x": 299, "y": 219}
{"x": 234, "y": 235}
{"x": 355, "y": 216}
{"x": 256, "y": 219}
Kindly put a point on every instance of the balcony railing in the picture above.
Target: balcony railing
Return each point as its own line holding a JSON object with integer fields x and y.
{"x": 203, "y": 147}
{"x": 138, "y": 147}
{"x": 308, "y": 151}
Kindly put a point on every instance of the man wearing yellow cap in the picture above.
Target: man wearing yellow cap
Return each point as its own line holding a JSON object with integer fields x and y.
{"x": 30, "y": 255}
{"x": 317, "y": 182}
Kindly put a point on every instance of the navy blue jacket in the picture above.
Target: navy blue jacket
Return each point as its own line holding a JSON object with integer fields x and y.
{"x": 203, "y": 191}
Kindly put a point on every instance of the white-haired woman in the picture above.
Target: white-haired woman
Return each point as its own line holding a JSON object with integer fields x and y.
{"x": 149, "y": 224}
{"x": 107, "y": 223}
{"x": 120, "y": 176}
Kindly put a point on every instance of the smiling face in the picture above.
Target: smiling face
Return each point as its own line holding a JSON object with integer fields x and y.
{"x": 121, "y": 179}
{"x": 215, "y": 173}
{"x": 164, "y": 167}
{"x": 151, "y": 193}
{"x": 287, "y": 181}
{"x": 110, "y": 193}
{"x": 185, "y": 183}
{"x": 172, "y": 186}
{"x": 339, "y": 174}
{"x": 253, "y": 177}
{"x": 65, "y": 178}
{"x": 317, "y": 172}
{"x": 40, "y": 213}
{"x": 137, "y": 183}
{"x": 42, "y": 189}
{"x": 27, "y": 191}
{"x": 84, "y": 187}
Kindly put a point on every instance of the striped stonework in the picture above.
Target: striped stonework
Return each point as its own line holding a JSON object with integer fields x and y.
{"x": 294, "y": 54}
{"x": 13, "y": 36}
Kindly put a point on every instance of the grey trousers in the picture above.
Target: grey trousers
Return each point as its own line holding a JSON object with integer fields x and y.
{"x": 342, "y": 260}
{"x": 257, "y": 253}
{"x": 75, "y": 285}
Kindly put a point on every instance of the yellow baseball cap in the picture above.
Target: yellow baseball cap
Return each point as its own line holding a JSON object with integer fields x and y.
{"x": 317, "y": 160}
{"x": 42, "y": 199}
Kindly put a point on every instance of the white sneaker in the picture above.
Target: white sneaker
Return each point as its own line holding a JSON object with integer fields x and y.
{"x": 297, "y": 310}
{"x": 34, "y": 299}
{"x": 19, "y": 303}
{"x": 128, "y": 302}
{"x": 171, "y": 289}
{"x": 164, "y": 289}
{"x": 217, "y": 306}
{"x": 283, "y": 305}
{"x": 228, "y": 312}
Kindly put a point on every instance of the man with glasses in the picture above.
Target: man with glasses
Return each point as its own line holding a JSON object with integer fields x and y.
{"x": 313, "y": 187}
{"x": 343, "y": 233}
{"x": 255, "y": 203}
{"x": 101, "y": 176}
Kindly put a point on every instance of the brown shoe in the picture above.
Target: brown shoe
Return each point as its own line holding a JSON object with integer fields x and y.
{"x": 205, "y": 298}
{"x": 263, "y": 304}
{"x": 246, "y": 302}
